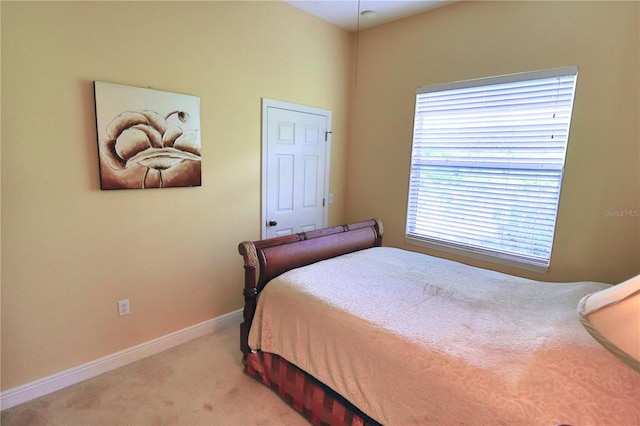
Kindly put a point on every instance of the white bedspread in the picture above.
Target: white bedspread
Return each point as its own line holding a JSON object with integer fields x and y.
{"x": 414, "y": 339}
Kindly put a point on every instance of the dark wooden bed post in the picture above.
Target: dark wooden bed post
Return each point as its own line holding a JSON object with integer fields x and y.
{"x": 248, "y": 251}
{"x": 380, "y": 231}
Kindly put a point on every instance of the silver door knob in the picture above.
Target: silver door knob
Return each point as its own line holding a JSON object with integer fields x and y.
{"x": 272, "y": 223}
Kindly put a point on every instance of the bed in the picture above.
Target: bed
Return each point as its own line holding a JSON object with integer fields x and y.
{"x": 349, "y": 332}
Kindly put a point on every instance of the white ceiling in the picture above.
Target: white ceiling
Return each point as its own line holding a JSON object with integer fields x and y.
{"x": 345, "y": 13}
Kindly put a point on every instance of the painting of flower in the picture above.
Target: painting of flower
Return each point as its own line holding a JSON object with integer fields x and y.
{"x": 147, "y": 138}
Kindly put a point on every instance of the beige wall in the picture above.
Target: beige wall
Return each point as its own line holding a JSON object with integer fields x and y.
{"x": 71, "y": 251}
{"x": 477, "y": 39}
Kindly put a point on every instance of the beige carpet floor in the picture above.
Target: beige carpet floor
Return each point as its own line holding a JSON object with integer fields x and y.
{"x": 198, "y": 383}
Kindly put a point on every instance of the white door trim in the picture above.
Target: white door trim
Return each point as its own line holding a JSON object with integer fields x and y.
{"x": 271, "y": 103}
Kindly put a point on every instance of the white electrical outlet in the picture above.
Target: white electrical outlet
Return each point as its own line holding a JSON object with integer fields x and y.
{"x": 123, "y": 307}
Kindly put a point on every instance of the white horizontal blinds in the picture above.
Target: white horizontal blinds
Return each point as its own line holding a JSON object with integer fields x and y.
{"x": 487, "y": 163}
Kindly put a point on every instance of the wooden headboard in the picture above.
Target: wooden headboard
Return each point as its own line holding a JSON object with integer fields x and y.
{"x": 275, "y": 256}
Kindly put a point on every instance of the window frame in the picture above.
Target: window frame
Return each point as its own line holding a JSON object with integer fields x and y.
{"x": 487, "y": 254}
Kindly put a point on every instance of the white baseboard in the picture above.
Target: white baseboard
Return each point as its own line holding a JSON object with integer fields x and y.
{"x": 29, "y": 391}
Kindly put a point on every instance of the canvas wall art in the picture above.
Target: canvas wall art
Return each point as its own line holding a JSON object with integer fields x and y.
{"x": 147, "y": 138}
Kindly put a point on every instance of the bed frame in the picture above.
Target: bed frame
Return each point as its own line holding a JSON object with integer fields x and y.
{"x": 274, "y": 256}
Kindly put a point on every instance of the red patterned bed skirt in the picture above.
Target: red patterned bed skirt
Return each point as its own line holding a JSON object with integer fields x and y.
{"x": 314, "y": 400}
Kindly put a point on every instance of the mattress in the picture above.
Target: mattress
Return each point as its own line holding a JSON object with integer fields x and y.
{"x": 415, "y": 339}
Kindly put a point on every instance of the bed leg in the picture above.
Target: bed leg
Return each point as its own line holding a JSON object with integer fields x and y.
{"x": 244, "y": 338}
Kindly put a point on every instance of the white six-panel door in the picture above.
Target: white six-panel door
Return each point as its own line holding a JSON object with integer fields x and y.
{"x": 295, "y": 168}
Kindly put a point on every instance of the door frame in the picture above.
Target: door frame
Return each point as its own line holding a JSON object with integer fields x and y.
{"x": 271, "y": 103}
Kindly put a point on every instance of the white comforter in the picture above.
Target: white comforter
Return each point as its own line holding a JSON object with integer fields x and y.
{"x": 414, "y": 339}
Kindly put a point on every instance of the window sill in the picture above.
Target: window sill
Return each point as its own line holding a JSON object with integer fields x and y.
{"x": 477, "y": 254}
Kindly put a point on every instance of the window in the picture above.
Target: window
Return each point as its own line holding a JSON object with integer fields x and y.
{"x": 487, "y": 163}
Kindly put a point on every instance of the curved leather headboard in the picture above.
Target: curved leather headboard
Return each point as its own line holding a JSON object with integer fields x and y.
{"x": 277, "y": 255}
{"x": 279, "y": 259}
